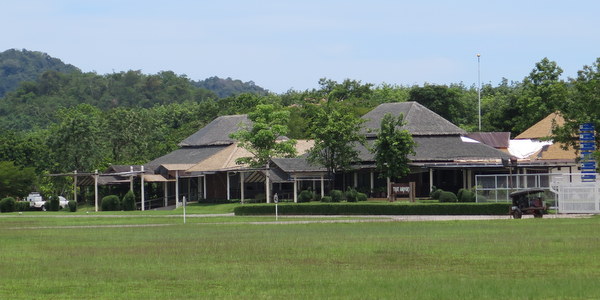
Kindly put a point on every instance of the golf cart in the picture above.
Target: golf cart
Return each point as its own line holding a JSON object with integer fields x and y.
{"x": 529, "y": 202}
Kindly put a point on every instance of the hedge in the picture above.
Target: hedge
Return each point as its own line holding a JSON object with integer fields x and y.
{"x": 376, "y": 209}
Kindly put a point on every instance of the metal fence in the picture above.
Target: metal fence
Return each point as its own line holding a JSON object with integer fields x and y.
{"x": 497, "y": 188}
{"x": 578, "y": 197}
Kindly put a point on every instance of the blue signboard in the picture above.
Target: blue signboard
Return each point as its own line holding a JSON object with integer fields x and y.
{"x": 587, "y": 127}
{"x": 587, "y": 146}
{"x": 586, "y": 136}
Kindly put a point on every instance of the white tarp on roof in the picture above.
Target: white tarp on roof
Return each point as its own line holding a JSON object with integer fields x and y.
{"x": 525, "y": 148}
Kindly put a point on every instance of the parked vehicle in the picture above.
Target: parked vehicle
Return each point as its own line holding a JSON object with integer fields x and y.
{"x": 36, "y": 201}
{"x": 529, "y": 201}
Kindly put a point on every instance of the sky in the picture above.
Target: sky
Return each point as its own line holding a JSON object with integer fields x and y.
{"x": 282, "y": 45}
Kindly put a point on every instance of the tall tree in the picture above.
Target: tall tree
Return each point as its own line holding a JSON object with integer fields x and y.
{"x": 392, "y": 147}
{"x": 77, "y": 142}
{"x": 15, "y": 181}
{"x": 262, "y": 140}
{"x": 336, "y": 134}
{"x": 446, "y": 101}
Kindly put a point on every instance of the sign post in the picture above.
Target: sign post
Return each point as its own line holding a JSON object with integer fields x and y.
{"x": 184, "y": 209}
{"x": 587, "y": 145}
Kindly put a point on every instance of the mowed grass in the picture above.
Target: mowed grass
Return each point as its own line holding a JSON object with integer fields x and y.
{"x": 497, "y": 259}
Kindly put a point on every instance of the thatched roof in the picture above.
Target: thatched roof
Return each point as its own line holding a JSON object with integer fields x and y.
{"x": 444, "y": 148}
{"x": 543, "y": 128}
{"x": 188, "y": 156}
{"x": 217, "y": 132}
{"x": 419, "y": 120}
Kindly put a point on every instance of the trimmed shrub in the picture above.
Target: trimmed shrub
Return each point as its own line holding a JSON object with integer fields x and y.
{"x": 361, "y": 197}
{"x": 111, "y": 203}
{"x": 336, "y": 195}
{"x": 128, "y": 201}
{"x": 316, "y": 196}
{"x": 72, "y": 206}
{"x": 305, "y": 196}
{"x": 326, "y": 199}
{"x": 376, "y": 209}
{"x": 446, "y": 197}
{"x": 53, "y": 204}
{"x": 351, "y": 195}
{"x": 22, "y": 206}
{"x": 435, "y": 193}
{"x": 8, "y": 204}
{"x": 465, "y": 195}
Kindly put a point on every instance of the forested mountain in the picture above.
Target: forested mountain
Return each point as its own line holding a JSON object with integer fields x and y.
{"x": 17, "y": 66}
{"x": 229, "y": 87}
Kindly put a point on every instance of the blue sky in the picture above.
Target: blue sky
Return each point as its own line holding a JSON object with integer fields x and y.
{"x": 283, "y": 45}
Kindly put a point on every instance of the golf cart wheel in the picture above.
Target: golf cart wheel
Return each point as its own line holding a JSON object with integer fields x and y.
{"x": 517, "y": 214}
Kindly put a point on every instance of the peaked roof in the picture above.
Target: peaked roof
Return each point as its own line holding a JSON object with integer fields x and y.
{"x": 493, "y": 139}
{"x": 543, "y": 128}
{"x": 216, "y": 132}
{"x": 419, "y": 120}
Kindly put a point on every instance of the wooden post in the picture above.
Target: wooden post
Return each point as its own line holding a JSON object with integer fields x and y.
{"x": 142, "y": 189}
{"x": 96, "y": 190}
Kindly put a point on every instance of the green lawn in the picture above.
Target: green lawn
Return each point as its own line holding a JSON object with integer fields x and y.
{"x": 499, "y": 259}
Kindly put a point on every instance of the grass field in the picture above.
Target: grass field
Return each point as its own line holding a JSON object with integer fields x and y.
{"x": 494, "y": 259}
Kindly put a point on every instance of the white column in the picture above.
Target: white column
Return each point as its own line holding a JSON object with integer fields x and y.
{"x": 166, "y": 192}
{"x": 177, "y": 188}
{"x": 75, "y": 186}
{"x": 204, "y": 183}
{"x": 525, "y": 177}
{"x": 142, "y": 195}
{"x": 199, "y": 188}
{"x": 96, "y": 190}
{"x": 322, "y": 186}
{"x": 430, "y": 179}
{"x": 242, "y": 186}
{"x": 228, "y": 186}
{"x": 131, "y": 178}
{"x": 355, "y": 179}
{"x": 295, "y": 190}
{"x": 267, "y": 185}
{"x": 469, "y": 178}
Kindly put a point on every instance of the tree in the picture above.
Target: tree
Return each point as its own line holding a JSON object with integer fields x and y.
{"x": 336, "y": 134}
{"x": 262, "y": 139}
{"x": 15, "y": 181}
{"x": 543, "y": 93}
{"x": 448, "y": 102}
{"x": 77, "y": 141}
{"x": 392, "y": 147}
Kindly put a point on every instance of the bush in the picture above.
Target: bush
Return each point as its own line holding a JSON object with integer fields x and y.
{"x": 326, "y": 199}
{"x": 316, "y": 196}
{"x": 376, "y": 209}
{"x": 435, "y": 193}
{"x": 22, "y": 206}
{"x": 361, "y": 197}
{"x": 72, "y": 206}
{"x": 465, "y": 195}
{"x": 305, "y": 196}
{"x": 111, "y": 203}
{"x": 446, "y": 197}
{"x": 351, "y": 195}
{"x": 8, "y": 204}
{"x": 53, "y": 204}
{"x": 128, "y": 201}
{"x": 336, "y": 195}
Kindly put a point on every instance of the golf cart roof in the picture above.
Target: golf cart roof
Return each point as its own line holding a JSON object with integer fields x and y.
{"x": 527, "y": 192}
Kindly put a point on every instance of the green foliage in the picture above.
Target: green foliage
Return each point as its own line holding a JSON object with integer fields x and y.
{"x": 326, "y": 199}
{"x": 465, "y": 195}
{"x": 305, "y": 196}
{"x": 351, "y": 195}
{"x": 7, "y": 204}
{"x": 53, "y": 204}
{"x": 111, "y": 203}
{"x": 392, "y": 147}
{"x": 377, "y": 209}
{"x": 446, "y": 197}
{"x": 72, "y": 206}
{"x": 17, "y": 66}
{"x": 435, "y": 193}
{"x": 128, "y": 201}
{"x": 336, "y": 195}
{"x": 262, "y": 140}
{"x": 15, "y": 181}
{"x": 22, "y": 206}
{"x": 446, "y": 101}
{"x": 229, "y": 87}
{"x": 361, "y": 197}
